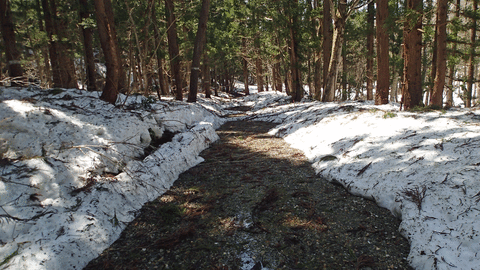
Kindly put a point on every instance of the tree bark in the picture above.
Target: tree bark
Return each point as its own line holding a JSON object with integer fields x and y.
{"x": 47, "y": 79}
{"x": 89, "y": 58}
{"x": 441, "y": 65}
{"x": 259, "y": 71}
{"x": 157, "y": 41}
{"x": 245, "y": 66}
{"x": 297, "y": 89}
{"x": 335, "y": 56}
{"x": 63, "y": 68}
{"x": 345, "y": 94}
{"x": 173, "y": 50}
{"x": 15, "y": 70}
{"x": 326, "y": 45}
{"x": 340, "y": 16}
{"x": 383, "y": 74}
{"x": 115, "y": 79}
{"x": 370, "y": 40}
{"x": 412, "y": 56}
{"x": 450, "y": 90}
{"x": 206, "y": 76}
{"x": 197, "y": 50}
{"x": 277, "y": 78}
{"x": 471, "y": 59}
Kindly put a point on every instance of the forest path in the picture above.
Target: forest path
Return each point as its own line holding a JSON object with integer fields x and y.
{"x": 256, "y": 203}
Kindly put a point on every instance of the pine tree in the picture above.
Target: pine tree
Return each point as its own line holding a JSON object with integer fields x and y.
{"x": 412, "y": 55}
{"x": 173, "y": 49}
{"x": 370, "y": 39}
{"x": 86, "y": 25}
{"x": 15, "y": 70}
{"x": 383, "y": 74}
{"x": 115, "y": 79}
{"x": 197, "y": 50}
{"x": 441, "y": 61}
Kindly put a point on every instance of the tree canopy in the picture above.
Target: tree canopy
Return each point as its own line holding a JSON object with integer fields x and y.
{"x": 278, "y": 45}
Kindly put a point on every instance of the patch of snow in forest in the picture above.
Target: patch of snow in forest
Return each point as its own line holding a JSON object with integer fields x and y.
{"x": 423, "y": 167}
{"x": 80, "y": 174}
{"x": 74, "y": 171}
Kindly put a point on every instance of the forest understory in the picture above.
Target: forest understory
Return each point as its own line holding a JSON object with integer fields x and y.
{"x": 256, "y": 203}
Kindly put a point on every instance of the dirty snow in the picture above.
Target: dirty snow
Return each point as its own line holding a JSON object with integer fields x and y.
{"x": 74, "y": 172}
{"x": 423, "y": 167}
{"x": 79, "y": 173}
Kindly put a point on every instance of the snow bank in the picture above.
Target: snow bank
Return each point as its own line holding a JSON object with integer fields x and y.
{"x": 73, "y": 171}
{"x": 423, "y": 167}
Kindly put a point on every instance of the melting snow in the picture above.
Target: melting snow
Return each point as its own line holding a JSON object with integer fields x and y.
{"x": 79, "y": 173}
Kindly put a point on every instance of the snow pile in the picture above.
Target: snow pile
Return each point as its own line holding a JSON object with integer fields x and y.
{"x": 423, "y": 167}
{"x": 73, "y": 170}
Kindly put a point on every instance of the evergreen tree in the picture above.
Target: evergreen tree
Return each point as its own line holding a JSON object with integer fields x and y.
{"x": 383, "y": 74}
{"x": 115, "y": 80}
{"x": 197, "y": 50}
{"x": 412, "y": 55}
{"x": 15, "y": 70}
{"x": 441, "y": 46}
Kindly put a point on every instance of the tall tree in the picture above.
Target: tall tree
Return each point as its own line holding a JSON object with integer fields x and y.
{"x": 245, "y": 66}
{"x": 197, "y": 50}
{"x": 115, "y": 79}
{"x": 412, "y": 55}
{"x": 471, "y": 59}
{"x": 297, "y": 90}
{"x": 259, "y": 71}
{"x": 370, "y": 40}
{"x": 452, "y": 61}
{"x": 87, "y": 32}
{"x": 340, "y": 16}
{"x": 158, "y": 52}
{"x": 8, "y": 33}
{"x": 441, "y": 62}
{"x": 63, "y": 68}
{"x": 206, "y": 76}
{"x": 326, "y": 44}
{"x": 173, "y": 50}
{"x": 383, "y": 74}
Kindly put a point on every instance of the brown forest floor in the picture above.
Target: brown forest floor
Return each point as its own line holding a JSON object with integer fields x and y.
{"x": 255, "y": 201}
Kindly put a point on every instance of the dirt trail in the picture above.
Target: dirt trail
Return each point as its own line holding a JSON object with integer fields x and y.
{"x": 256, "y": 203}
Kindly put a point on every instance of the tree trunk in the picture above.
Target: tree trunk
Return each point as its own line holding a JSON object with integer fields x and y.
{"x": 345, "y": 95}
{"x": 297, "y": 89}
{"x": 471, "y": 59}
{"x": 370, "y": 40}
{"x": 450, "y": 90}
{"x": 383, "y": 74}
{"x": 340, "y": 17}
{"x": 277, "y": 78}
{"x": 412, "y": 56}
{"x": 197, "y": 50}
{"x": 63, "y": 68}
{"x": 157, "y": 43}
{"x": 115, "y": 79}
{"x": 206, "y": 76}
{"x": 441, "y": 66}
{"x": 326, "y": 45}
{"x": 336, "y": 54}
{"x": 259, "y": 70}
{"x": 15, "y": 70}
{"x": 87, "y": 33}
{"x": 245, "y": 66}
{"x": 173, "y": 50}
{"x": 47, "y": 79}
